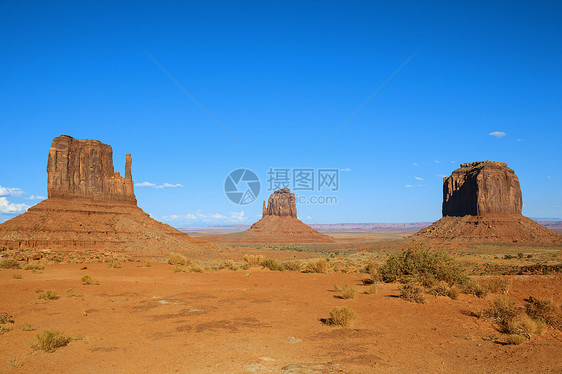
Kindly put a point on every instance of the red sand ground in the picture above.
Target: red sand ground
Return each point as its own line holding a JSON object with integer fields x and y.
{"x": 141, "y": 320}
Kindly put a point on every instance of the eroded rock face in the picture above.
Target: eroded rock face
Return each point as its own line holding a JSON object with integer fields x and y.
{"x": 281, "y": 203}
{"x": 482, "y": 188}
{"x": 83, "y": 168}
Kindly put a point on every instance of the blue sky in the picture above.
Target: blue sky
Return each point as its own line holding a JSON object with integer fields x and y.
{"x": 281, "y": 77}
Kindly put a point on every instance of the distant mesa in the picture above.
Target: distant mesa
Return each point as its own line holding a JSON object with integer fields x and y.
{"x": 482, "y": 201}
{"x": 90, "y": 206}
{"x": 279, "y": 224}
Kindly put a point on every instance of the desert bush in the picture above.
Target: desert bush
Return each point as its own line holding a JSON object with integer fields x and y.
{"x": 48, "y": 295}
{"x": 454, "y": 292}
{"x": 413, "y": 293}
{"x": 191, "y": 268}
{"x": 292, "y": 265}
{"x": 253, "y": 260}
{"x": 441, "y": 289}
{"x": 113, "y": 264}
{"x": 544, "y": 310}
{"x": 6, "y": 318}
{"x": 17, "y": 276}
{"x": 318, "y": 265}
{"x": 272, "y": 264}
{"x": 502, "y": 310}
{"x": 423, "y": 265}
{"x": 345, "y": 292}
{"x": 372, "y": 290}
{"x": 71, "y": 293}
{"x": 515, "y": 339}
{"x": 50, "y": 340}
{"x": 178, "y": 259}
{"x": 4, "y": 329}
{"x": 88, "y": 280}
{"x": 341, "y": 316}
{"x": 498, "y": 285}
{"x": 524, "y": 325}
{"x": 27, "y": 327}
{"x": 373, "y": 270}
{"x": 33, "y": 266}
{"x": 471, "y": 287}
{"x": 9, "y": 263}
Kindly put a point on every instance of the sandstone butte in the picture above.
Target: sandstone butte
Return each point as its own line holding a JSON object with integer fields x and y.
{"x": 482, "y": 202}
{"x": 90, "y": 207}
{"x": 279, "y": 225}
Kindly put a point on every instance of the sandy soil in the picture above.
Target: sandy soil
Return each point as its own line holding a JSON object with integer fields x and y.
{"x": 150, "y": 319}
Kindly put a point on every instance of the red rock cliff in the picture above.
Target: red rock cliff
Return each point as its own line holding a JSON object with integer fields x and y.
{"x": 281, "y": 203}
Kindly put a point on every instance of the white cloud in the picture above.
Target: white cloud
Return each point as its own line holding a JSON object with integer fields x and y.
{"x": 519, "y": 140}
{"x": 35, "y": 197}
{"x": 11, "y": 208}
{"x": 548, "y": 177}
{"x": 441, "y": 175}
{"x": 158, "y": 186}
{"x": 232, "y": 217}
{"x": 418, "y": 178}
{"x": 497, "y": 134}
{"x": 415, "y": 164}
{"x": 408, "y": 186}
{"x": 9, "y": 191}
{"x": 436, "y": 161}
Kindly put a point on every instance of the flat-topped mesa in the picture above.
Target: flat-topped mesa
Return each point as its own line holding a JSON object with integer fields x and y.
{"x": 281, "y": 203}
{"x": 83, "y": 168}
{"x": 482, "y": 188}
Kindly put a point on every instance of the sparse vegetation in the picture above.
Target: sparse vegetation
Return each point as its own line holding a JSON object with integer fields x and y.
{"x": 113, "y": 264}
{"x": 272, "y": 264}
{"x": 50, "y": 340}
{"x": 498, "y": 285}
{"x": 230, "y": 265}
{"x": 88, "y": 280}
{"x": 471, "y": 287}
{"x": 6, "y": 318}
{"x": 70, "y": 293}
{"x": 253, "y": 260}
{"x": 9, "y": 263}
{"x": 17, "y": 276}
{"x": 454, "y": 292}
{"x": 27, "y": 327}
{"x": 48, "y": 295}
{"x": 372, "y": 290}
{"x": 34, "y": 266}
{"x": 341, "y": 316}
{"x": 319, "y": 265}
{"x": 178, "y": 259}
{"x": 292, "y": 265}
{"x": 511, "y": 319}
{"x": 346, "y": 292}
{"x": 544, "y": 310}
{"x": 412, "y": 292}
{"x": 515, "y": 339}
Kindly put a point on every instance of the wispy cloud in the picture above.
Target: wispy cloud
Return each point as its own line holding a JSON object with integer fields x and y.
{"x": 418, "y": 178}
{"x": 10, "y": 191}
{"x": 437, "y": 161}
{"x": 11, "y": 208}
{"x": 415, "y": 164}
{"x": 409, "y": 186}
{"x": 497, "y": 134}
{"x": 35, "y": 197}
{"x": 198, "y": 217}
{"x": 158, "y": 186}
{"x": 441, "y": 175}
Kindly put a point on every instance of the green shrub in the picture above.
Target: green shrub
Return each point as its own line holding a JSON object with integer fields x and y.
{"x": 272, "y": 264}
{"x": 422, "y": 265}
{"x": 341, "y": 316}
{"x": 413, "y": 293}
{"x": 87, "y": 280}
{"x": 319, "y": 265}
{"x": 48, "y": 295}
{"x": 253, "y": 260}
{"x": 50, "y": 340}
{"x": 9, "y": 263}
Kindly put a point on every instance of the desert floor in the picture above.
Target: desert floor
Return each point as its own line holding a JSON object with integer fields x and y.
{"x": 152, "y": 319}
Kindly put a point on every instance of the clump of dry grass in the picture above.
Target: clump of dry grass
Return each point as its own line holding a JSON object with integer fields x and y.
{"x": 511, "y": 319}
{"x": 113, "y": 264}
{"x": 292, "y": 265}
{"x": 341, "y": 316}
{"x": 346, "y": 292}
{"x": 272, "y": 264}
{"x": 50, "y": 340}
{"x": 17, "y": 276}
{"x": 34, "y": 266}
{"x": 413, "y": 293}
{"x": 230, "y": 265}
{"x": 373, "y": 289}
{"x": 454, "y": 292}
{"x": 48, "y": 295}
{"x": 544, "y": 310}
{"x": 6, "y": 318}
{"x": 498, "y": 285}
{"x": 373, "y": 270}
{"x": 524, "y": 325}
{"x": 471, "y": 287}
{"x": 9, "y": 263}
{"x": 88, "y": 280}
{"x": 515, "y": 339}
{"x": 318, "y": 265}
{"x": 178, "y": 259}
{"x": 254, "y": 260}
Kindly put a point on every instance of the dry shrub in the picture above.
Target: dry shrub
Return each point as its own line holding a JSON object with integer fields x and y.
{"x": 113, "y": 264}
{"x": 413, "y": 293}
{"x": 33, "y": 266}
{"x": 48, "y": 295}
{"x": 441, "y": 289}
{"x": 318, "y": 265}
{"x": 515, "y": 339}
{"x": 17, "y": 276}
{"x": 454, "y": 292}
{"x": 471, "y": 287}
{"x": 346, "y": 292}
{"x": 524, "y": 325}
{"x": 498, "y": 285}
{"x": 292, "y": 265}
{"x": 50, "y": 340}
{"x": 6, "y": 318}
{"x": 272, "y": 264}
{"x": 4, "y": 329}
{"x": 341, "y": 316}
{"x": 544, "y": 310}
{"x": 253, "y": 260}
{"x": 502, "y": 310}
{"x": 88, "y": 280}
{"x": 373, "y": 270}
{"x": 9, "y": 263}
{"x": 372, "y": 290}
{"x": 178, "y": 259}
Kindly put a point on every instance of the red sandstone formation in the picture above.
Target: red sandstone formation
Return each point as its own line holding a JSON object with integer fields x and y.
{"x": 482, "y": 202}
{"x": 279, "y": 224}
{"x": 90, "y": 206}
